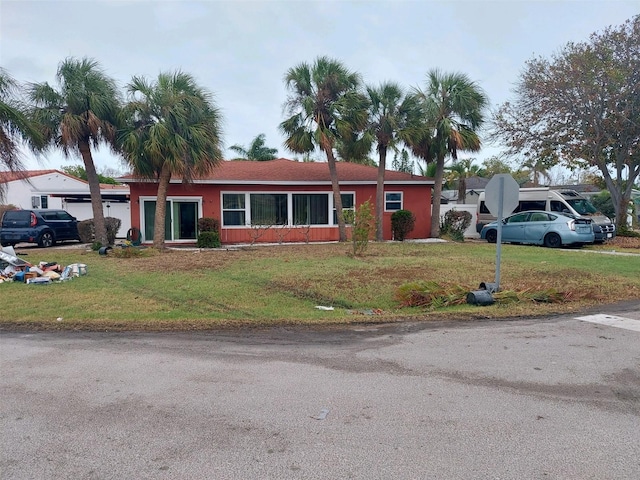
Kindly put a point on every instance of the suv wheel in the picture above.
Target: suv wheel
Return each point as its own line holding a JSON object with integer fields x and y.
{"x": 46, "y": 240}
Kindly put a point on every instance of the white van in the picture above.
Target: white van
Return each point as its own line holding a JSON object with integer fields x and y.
{"x": 551, "y": 200}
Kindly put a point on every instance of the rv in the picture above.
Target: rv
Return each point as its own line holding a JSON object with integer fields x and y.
{"x": 561, "y": 201}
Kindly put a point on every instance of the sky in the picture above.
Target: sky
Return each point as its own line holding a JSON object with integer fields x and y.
{"x": 241, "y": 50}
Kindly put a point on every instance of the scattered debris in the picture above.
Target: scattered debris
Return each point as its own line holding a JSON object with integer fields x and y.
{"x": 15, "y": 269}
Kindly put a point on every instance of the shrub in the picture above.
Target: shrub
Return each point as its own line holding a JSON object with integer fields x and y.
{"x": 113, "y": 225}
{"x": 455, "y": 223}
{"x": 402, "y": 223}
{"x": 87, "y": 230}
{"x": 208, "y": 224}
{"x": 208, "y": 240}
{"x": 363, "y": 225}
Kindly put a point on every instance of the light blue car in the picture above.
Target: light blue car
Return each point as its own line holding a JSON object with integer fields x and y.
{"x": 541, "y": 228}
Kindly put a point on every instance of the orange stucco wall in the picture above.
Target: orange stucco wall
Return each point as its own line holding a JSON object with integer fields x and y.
{"x": 416, "y": 198}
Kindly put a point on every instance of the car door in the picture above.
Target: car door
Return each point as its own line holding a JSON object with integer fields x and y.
{"x": 513, "y": 228}
{"x": 65, "y": 222}
{"x": 537, "y": 226}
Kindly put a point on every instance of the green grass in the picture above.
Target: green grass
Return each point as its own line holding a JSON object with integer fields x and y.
{"x": 183, "y": 289}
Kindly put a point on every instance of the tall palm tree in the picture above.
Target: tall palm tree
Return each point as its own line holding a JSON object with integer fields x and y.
{"x": 459, "y": 171}
{"x": 392, "y": 116}
{"x": 257, "y": 150}
{"x": 15, "y": 127}
{"x": 326, "y": 107}
{"x": 79, "y": 114}
{"x": 170, "y": 127}
{"x": 454, "y": 107}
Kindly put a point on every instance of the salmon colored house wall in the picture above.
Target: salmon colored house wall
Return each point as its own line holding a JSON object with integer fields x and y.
{"x": 416, "y": 198}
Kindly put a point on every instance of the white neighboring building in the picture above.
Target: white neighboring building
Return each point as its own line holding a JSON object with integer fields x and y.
{"x": 56, "y": 189}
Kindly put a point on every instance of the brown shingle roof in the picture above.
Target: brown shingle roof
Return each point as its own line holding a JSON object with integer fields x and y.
{"x": 6, "y": 176}
{"x": 289, "y": 171}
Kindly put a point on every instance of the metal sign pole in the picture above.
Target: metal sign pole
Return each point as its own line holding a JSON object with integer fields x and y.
{"x": 499, "y": 238}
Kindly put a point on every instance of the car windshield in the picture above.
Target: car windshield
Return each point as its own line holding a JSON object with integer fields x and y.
{"x": 582, "y": 206}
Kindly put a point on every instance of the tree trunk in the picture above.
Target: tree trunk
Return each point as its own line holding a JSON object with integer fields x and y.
{"x": 462, "y": 189}
{"x": 337, "y": 199}
{"x": 437, "y": 193}
{"x": 94, "y": 190}
{"x": 161, "y": 207}
{"x": 380, "y": 194}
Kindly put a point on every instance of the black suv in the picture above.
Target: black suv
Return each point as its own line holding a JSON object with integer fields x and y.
{"x": 44, "y": 227}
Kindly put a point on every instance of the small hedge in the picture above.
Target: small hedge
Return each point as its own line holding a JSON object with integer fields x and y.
{"x": 208, "y": 240}
{"x": 208, "y": 224}
{"x": 402, "y": 223}
{"x": 87, "y": 230}
{"x": 455, "y": 224}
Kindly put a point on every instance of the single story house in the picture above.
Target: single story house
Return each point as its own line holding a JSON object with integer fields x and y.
{"x": 275, "y": 201}
{"x": 58, "y": 190}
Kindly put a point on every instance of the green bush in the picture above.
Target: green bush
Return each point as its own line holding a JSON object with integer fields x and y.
{"x": 455, "y": 223}
{"x": 208, "y": 224}
{"x": 87, "y": 230}
{"x": 402, "y": 223}
{"x": 363, "y": 224}
{"x": 208, "y": 240}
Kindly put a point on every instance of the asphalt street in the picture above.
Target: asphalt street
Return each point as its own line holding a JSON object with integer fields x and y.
{"x": 555, "y": 398}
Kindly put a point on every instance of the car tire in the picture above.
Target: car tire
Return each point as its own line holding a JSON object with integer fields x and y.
{"x": 491, "y": 236}
{"x": 46, "y": 240}
{"x": 552, "y": 240}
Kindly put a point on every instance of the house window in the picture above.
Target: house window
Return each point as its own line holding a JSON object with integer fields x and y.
{"x": 233, "y": 209}
{"x": 269, "y": 209}
{"x": 348, "y": 203}
{"x": 310, "y": 209}
{"x": 265, "y": 209}
{"x": 44, "y": 201}
{"x": 392, "y": 201}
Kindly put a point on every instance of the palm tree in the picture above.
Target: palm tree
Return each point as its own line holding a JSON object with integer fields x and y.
{"x": 80, "y": 114}
{"x": 170, "y": 127}
{"x": 325, "y": 107}
{"x": 257, "y": 150}
{"x": 537, "y": 168}
{"x": 15, "y": 127}
{"x": 392, "y": 116}
{"x": 454, "y": 107}
{"x": 459, "y": 171}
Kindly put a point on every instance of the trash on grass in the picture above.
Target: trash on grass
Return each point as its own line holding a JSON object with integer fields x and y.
{"x": 15, "y": 269}
{"x": 322, "y": 307}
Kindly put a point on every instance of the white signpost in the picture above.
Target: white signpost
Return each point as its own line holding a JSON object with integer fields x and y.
{"x": 501, "y": 198}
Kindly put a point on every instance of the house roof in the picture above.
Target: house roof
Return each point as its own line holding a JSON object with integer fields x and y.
{"x": 7, "y": 176}
{"x": 477, "y": 183}
{"x": 26, "y": 175}
{"x": 284, "y": 171}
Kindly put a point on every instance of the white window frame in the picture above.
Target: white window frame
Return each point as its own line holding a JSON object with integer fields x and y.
{"x": 171, "y": 200}
{"x": 386, "y": 202}
{"x": 247, "y": 206}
